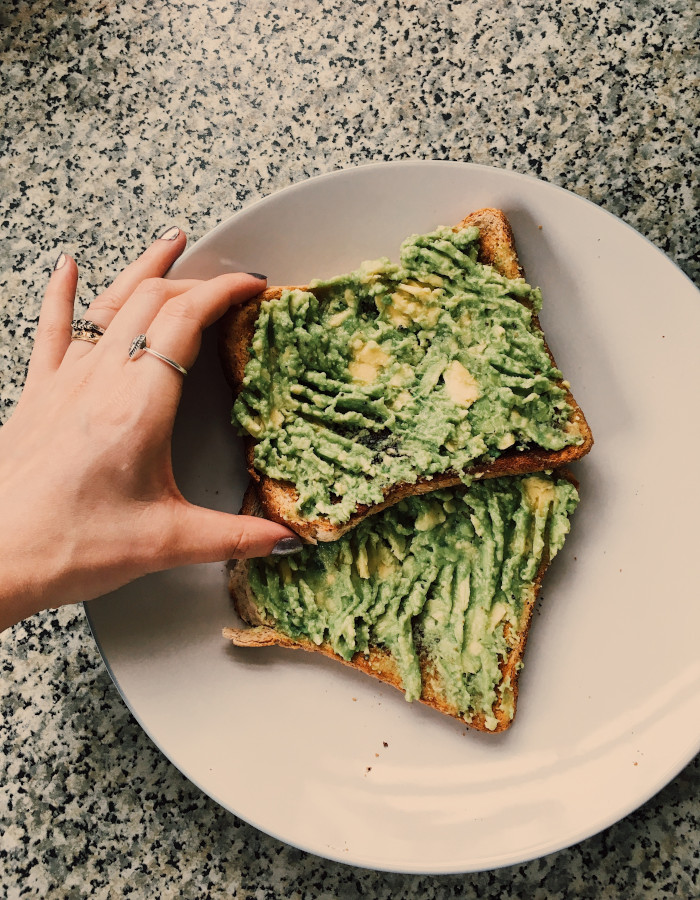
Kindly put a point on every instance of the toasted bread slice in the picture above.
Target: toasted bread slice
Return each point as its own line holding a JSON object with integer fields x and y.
{"x": 380, "y": 661}
{"x": 279, "y": 498}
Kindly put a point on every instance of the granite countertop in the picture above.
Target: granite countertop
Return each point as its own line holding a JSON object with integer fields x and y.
{"x": 119, "y": 118}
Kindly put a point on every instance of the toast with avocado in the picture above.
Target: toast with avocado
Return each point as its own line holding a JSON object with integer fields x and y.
{"x": 398, "y": 379}
{"x": 433, "y": 595}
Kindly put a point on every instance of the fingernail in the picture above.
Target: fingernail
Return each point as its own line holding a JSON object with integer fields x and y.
{"x": 170, "y": 233}
{"x": 287, "y": 546}
{"x": 257, "y": 275}
{"x": 60, "y": 262}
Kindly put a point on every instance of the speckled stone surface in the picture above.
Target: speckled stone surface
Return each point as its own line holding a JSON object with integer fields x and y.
{"x": 118, "y": 118}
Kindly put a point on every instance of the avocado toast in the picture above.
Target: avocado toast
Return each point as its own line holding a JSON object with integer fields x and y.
{"x": 397, "y": 380}
{"x": 412, "y": 421}
{"x": 433, "y": 595}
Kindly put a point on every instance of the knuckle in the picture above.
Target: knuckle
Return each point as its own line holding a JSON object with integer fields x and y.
{"x": 180, "y": 310}
{"x": 240, "y": 545}
{"x": 110, "y": 301}
{"x": 152, "y": 288}
{"x": 50, "y": 331}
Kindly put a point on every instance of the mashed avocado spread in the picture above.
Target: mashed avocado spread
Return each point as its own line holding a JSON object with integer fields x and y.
{"x": 395, "y": 372}
{"x": 444, "y": 575}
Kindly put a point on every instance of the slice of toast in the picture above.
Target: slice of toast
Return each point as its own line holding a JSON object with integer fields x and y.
{"x": 279, "y": 498}
{"x": 512, "y": 577}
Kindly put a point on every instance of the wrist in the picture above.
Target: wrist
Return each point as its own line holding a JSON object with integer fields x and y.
{"x": 19, "y": 596}
{"x": 30, "y": 564}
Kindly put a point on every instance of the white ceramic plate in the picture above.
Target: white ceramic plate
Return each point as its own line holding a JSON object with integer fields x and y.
{"x": 323, "y": 757}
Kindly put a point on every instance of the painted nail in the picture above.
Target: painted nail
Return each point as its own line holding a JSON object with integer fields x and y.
{"x": 287, "y": 546}
{"x": 258, "y": 275}
{"x": 170, "y": 233}
{"x": 60, "y": 262}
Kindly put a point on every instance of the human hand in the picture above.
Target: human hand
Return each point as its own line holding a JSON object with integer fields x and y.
{"x": 87, "y": 492}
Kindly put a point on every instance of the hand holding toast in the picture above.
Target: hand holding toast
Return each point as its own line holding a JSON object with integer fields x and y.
{"x": 87, "y": 491}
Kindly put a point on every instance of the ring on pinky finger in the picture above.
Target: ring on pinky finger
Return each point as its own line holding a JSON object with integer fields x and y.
{"x": 86, "y": 330}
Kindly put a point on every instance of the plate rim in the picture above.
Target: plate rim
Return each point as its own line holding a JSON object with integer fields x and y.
{"x": 400, "y": 163}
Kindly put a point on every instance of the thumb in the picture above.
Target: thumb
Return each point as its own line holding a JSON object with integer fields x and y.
{"x": 204, "y": 535}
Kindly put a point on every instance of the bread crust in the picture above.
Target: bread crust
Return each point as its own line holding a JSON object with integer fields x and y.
{"x": 378, "y": 662}
{"x": 279, "y": 498}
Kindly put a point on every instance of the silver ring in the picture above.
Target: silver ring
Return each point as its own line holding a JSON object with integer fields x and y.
{"x": 85, "y": 330}
{"x": 139, "y": 345}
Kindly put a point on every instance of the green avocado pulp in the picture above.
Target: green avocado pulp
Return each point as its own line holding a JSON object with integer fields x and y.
{"x": 395, "y": 372}
{"x": 439, "y": 575}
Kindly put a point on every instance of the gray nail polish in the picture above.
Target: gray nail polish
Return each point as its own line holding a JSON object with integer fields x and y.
{"x": 257, "y": 275}
{"x": 286, "y": 546}
{"x": 60, "y": 262}
{"x": 170, "y": 233}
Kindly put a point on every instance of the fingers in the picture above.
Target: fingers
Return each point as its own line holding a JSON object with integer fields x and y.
{"x": 180, "y": 323}
{"x": 150, "y": 296}
{"x": 176, "y": 330}
{"x": 151, "y": 265}
{"x": 54, "y": 328}
{"x": 201, "y": 535}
